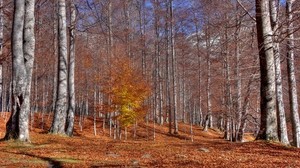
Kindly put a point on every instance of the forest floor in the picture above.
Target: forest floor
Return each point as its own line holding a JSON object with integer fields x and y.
{"x": 85, "y": 149}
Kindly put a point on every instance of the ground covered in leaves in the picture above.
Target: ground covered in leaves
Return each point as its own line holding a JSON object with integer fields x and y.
{"x": 87, "y": 150}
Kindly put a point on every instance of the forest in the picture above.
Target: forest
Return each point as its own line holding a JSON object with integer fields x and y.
{"x": 149, "y": 83}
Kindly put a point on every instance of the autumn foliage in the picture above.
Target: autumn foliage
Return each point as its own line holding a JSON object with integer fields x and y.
{"x": 127, "y": 90}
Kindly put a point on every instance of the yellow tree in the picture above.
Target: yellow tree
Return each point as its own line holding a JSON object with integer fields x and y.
{"x": 127, "y": 90}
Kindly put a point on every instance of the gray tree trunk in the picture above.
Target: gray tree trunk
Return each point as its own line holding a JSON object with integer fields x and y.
{"x": 55, "y": 46}
{"x": 29, "y": 49}
{"x": 168, "y": 74}
{"x": 291, "y": 76}
{"x": 18, "y": 71}
{"x": 228, "y": 99}
{"x": 199, "y": 72}
{"x": 238, "y": 76}
{"x": 1, "y": 52}
{"x": 59, "y": 119}
{"x": 71, "y": 75}
{"x": 208, "y": 120}
{"x": 280, "y": 105}
{"x": 23, "y": 47}
{"x": 268, "y": 128}
{"x": 174, "y": 67}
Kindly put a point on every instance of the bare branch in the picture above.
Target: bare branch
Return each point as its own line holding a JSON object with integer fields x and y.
{"x": 239, "y": 2}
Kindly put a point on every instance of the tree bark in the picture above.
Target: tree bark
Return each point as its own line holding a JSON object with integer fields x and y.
{"x": 23, "y": 47}
{"x": 18, "y": 71}
{"x": 1, "y": 52}
{"x": 59, "y": 119}
{"x": 174, "y": 67}
{"x": 208, "y": 120}
{"x": 283, "y": 136}
{"x": 71, "y": 75}
{"x": 29, "y": 49}
{"x": 268, "y": 128}
{"x": 291, "y": 76}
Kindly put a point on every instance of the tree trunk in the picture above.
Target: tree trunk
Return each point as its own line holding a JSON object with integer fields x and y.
{"x": 18, "y": 71}
{"x": 174, "y": 67}
{"x": 199, "y": 73}
{"x": 29, "y": 49}
{"x": 291, "y": 76}
{"x": 208, "y": 120}
{"x": 71, "y": 75}
{"x": 168, "y": 74}
{"x": 268, "y": 128}
{"x": 59, "y": 120}
{"x": 279, "y": 93}
{"x": 1, "y": 52}
{"x": 23, "y": 46}
{"x": 55, "y": 26}
{"x": 238, "y": 76}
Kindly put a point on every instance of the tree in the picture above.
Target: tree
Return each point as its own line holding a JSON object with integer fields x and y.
{"x": 128, "y": 92}
{"x": 1, "y": 54}
{"x": 279, "y": 93}
{"x": 59, "y": 119}
{"x": 268, "y": 127}
{"x": 291, "y": 75}
{"x": 71, "y": 74}
{"x": 23, "y": 47}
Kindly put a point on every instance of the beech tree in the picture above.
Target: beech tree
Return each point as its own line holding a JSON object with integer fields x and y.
{"x": 71, "y": 74}
{"x": 23, "y": 47}
{"x": 1, "y": 55}
{"x": 268, "y": 128}
{"x": 274, "y": 5}
{"x": 291, "y": 75}
{"x": 60, "y": 113}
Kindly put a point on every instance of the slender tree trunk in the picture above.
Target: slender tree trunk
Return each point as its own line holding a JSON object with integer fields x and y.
{"x": 1, "y": 52}
{"x": 168, "y": 74}
{"x": 141, "y": 10}
{"x": 55, "y": 46}
{"x": 268, "y": 128}
{"x": 71, "y": 75}
{"x": 59, "y": 119}
{"x": 174, "y": 67}
{"x": 279, "y": 93}
{"x": 128, "y": 28}
{"x": 208, "y": 120}
{"x": 228, "y": 99}
{"x": 291, "y": 76}
{"x": 238, "y": 75}
{"x": 95, "y": 112}
{"x": 199, "y": 74}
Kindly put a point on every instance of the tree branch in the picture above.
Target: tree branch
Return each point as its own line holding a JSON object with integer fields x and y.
{"x": 239, "y": 2}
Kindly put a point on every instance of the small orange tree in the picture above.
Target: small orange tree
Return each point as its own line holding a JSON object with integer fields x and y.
{"x": 127, "y": 90}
